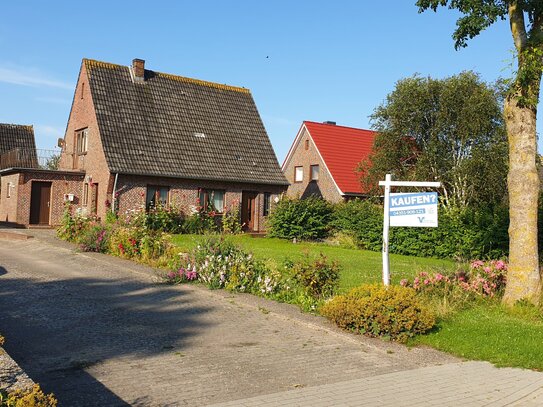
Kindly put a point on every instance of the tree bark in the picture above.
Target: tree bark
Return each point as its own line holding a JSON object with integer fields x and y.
{"x": 523, "y": 277}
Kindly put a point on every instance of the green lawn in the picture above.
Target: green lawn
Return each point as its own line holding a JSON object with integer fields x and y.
{"x": 358, "y": 266}
{"x": 491, "y": 332}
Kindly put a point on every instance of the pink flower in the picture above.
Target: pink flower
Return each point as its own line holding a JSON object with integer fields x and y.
{"x": 404, "y": 282}
{"x": 476, "y": 264}
{"x": 426, "y": 282}
{"x": 439, "y": 277}
{"x": 500, "y": 265}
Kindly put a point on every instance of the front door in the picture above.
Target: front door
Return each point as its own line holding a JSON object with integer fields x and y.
{"x": 248, "y": 210}
{"x": 40, "y": 203}
{"x": 94, "y": 199}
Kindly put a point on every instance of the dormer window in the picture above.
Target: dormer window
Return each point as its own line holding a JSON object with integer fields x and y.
{"x": 81, "y": 141}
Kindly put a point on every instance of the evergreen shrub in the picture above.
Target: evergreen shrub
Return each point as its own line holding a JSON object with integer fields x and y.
{"x": 306, "y": 219}
{"x": 392, "y": 312}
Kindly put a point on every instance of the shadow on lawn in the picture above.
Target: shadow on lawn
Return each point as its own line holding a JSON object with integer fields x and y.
{"x": 57, "y": 330}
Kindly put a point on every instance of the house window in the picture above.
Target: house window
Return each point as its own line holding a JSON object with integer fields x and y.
{"x": 307, "y": 144}
{"x": 298, "y": 174}
{"x": 267, "y": 204}
{"x": 156, "y": 196}
{"x": 82, "y": 89}
{"x": 314, "y": 172}
{"x": 81, "y": 141}
{"x": 85, "y": 200}
{"x": 212, "y": 200}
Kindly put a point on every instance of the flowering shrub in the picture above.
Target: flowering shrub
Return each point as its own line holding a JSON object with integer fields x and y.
{"x": 392, "y": 312}
{"x": 94, "y": 238}
{"x": 484, "y": 279}
{"x": 319, "y": 276}
{"x": 231, "y": 221}
{"x": 167, "y": 219}
{"x": 33, "y": 397}
{"x": 200, "y": 223}
{"x": 182, "y": 275}
{"x": 72, "y": 225}
{"x": 219, "y": 263}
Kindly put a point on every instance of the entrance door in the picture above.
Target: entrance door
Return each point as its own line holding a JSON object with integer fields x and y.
{"x": 94, "y": 199}
{"x": 248, "y": 210}
{"x": 40, "y": 203}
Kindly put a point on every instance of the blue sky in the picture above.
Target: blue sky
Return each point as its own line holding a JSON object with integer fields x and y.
{"x": 302, "y": 60}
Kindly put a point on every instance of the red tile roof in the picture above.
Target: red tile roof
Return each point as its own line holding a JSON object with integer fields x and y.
{"x": 342, "y": 148}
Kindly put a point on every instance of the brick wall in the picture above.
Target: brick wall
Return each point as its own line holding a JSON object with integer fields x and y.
{"x": 183, "y": 194}
{"x": 8, "y": 206}
{"x": 93, "y": 162}
{"x": 16, "y": 209}
{"x": 323, "y": 187}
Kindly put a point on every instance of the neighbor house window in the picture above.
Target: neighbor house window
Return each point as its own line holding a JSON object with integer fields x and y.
{"x": 298, "y": 174}
{"x": 85, "y": 200}
{"x": 314, "y": 172}
{"x": 307, "y": 144}
{"x": 156, "y": 196}
{"x": 212, "y": 200}
{"x": 81, "y": 141}
{"x": 267, "y": 204}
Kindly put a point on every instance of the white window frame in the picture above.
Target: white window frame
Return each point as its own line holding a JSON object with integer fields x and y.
{"x": 299, "y": 173}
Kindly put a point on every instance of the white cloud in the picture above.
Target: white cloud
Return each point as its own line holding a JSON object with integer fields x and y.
{"x": 30, "y": 77}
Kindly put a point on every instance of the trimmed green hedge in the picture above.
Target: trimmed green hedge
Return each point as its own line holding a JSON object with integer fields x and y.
{"x": 466, "y": 234}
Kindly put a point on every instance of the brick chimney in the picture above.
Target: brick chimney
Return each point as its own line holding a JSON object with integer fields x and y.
{"x": 138, "y": 69}
{"x": 331, "y": 123}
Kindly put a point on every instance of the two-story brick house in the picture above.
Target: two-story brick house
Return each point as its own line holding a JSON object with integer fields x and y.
{"x": 323, "y": 158}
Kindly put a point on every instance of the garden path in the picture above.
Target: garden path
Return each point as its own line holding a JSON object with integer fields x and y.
{"x": 98, "y": 330}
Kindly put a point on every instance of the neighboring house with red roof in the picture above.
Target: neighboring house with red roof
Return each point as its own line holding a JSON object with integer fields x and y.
{"x": 323, "y": 159}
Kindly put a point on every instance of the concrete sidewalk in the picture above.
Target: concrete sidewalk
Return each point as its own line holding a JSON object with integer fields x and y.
{"x": 452, "y": 384}
{"x": 98, "y": 330}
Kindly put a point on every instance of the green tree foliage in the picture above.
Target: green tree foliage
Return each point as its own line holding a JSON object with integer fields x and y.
{"x": 449, "y": 130}
{"x": 520, "y": 113}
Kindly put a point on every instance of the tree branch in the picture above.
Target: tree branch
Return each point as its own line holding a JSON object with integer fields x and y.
{"x": 518, "y": 29}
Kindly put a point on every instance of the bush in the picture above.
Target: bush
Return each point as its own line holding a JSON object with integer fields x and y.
{"x": 166, "y": 219}
{"x": 363, "y": 219}
{"x": 72, "y": 225}
{"x": 28, "y": 398}
{"x": 392, "y": 312}
{"x": 483, "y": 279}
{"x": 307, "y": 219}
{"x": 462, "y": 233}
{"x": 200, "y": 223}
{"x": 231, "y": 223}
{"x": 94, "y": 238}
{"x": 319, "y": 276}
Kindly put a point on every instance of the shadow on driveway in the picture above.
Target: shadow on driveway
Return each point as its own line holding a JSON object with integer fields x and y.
{"x": 56, "y": 330}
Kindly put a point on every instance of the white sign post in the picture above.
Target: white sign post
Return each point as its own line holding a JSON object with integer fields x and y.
{"x": 409, "y": 209}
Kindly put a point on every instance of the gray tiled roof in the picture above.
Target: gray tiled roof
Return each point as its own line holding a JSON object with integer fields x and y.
{"x": 17, "y": 146}
{"x": 179, "y": 127}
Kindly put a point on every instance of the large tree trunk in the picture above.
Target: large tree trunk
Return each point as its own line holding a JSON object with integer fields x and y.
{"x": 523, "y": 277}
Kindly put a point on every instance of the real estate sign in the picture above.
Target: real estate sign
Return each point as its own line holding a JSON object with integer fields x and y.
{"x": 417, "y": 209}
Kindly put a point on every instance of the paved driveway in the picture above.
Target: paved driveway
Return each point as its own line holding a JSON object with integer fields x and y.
{"x": 97, "y": 330}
